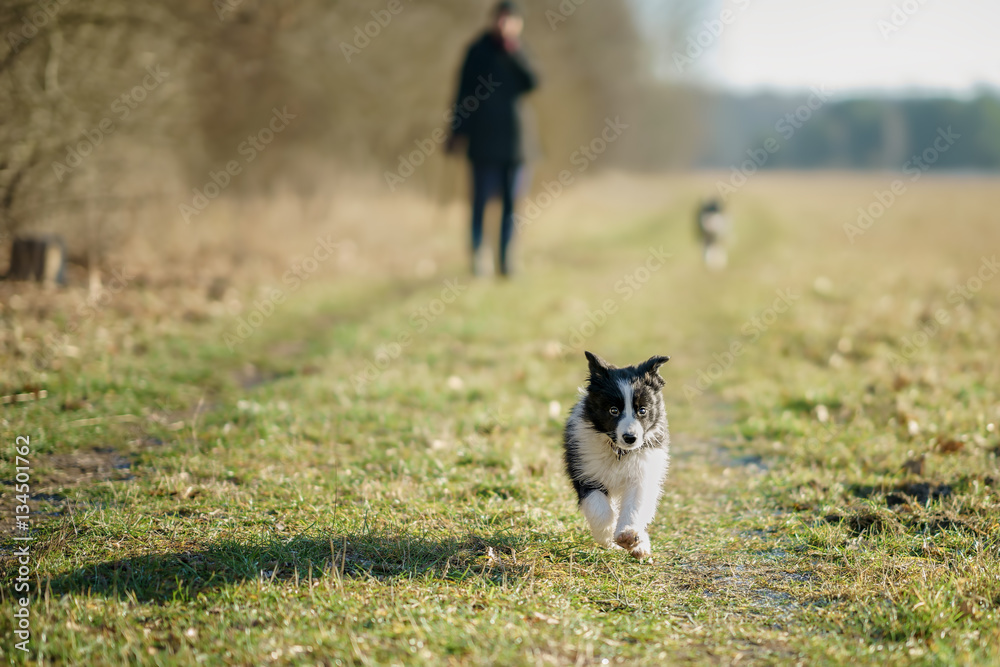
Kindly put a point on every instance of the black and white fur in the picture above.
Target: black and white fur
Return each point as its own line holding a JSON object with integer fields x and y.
{"x": 617, "y": 451}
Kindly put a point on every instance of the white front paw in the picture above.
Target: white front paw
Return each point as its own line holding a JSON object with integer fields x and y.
{"x": 643, "y": 549}
{"x": 636, "y": 542}
{"x": 627, "y": 538}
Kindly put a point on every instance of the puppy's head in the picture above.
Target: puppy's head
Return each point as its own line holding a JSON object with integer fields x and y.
{"x": 625, "y": 403}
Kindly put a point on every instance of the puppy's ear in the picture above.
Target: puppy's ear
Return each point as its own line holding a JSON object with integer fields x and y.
{"x": 598, "y": 366}
{"x": 652, "y": 364}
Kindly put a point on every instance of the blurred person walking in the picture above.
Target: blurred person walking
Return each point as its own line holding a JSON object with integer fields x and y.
{"x": 488, "y": 120}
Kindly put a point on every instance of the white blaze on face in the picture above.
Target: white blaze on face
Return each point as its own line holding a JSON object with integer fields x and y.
{"x": 628, "y": 424}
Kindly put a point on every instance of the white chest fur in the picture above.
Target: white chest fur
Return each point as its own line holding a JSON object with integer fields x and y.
{"x": 597, "y": 462}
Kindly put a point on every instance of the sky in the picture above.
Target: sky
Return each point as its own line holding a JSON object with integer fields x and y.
{"x": 895, "y": 46}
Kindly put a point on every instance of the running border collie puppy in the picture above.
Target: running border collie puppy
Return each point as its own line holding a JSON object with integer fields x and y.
{"x": 617, "y": 451}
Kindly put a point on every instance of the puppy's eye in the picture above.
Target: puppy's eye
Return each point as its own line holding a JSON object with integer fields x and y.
{"x": 642, "y": 412}
{"x": 614, "y": 412}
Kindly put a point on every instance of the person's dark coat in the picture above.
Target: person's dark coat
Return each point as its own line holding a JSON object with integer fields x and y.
{"x": 486, "y": 109}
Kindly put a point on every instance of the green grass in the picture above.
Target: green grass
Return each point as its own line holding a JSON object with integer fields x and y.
{"x": 260, "y": 506}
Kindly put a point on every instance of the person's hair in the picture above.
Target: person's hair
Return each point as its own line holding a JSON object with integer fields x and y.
{"x": 506, "y": 7}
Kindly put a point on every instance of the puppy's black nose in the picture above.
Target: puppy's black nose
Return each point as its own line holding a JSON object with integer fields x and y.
{"x": 628, "y": 438}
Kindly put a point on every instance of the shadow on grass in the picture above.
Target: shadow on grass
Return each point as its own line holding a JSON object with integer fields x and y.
{"x": 183, "y": 574}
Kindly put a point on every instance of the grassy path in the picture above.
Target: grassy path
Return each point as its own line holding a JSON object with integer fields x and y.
{"x": 323, "y": 496}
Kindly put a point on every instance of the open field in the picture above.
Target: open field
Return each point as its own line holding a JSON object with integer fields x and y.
{"x": 373, "y": 475}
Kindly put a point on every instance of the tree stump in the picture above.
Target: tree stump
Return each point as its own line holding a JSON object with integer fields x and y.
{"x": 42, "y": 259}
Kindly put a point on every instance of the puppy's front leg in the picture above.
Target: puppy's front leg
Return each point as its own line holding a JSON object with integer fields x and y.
{"x": 637, "y": 512}
{"x": 638, "y": 509}
{"x": 600, "y": 514}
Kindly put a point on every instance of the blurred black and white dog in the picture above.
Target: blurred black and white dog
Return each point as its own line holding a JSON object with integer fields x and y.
{"x": 617, "y": 451}
{"x": 713, "y": 226}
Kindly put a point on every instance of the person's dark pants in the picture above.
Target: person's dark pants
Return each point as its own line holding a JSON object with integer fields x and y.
{"x": 488, "y": 180}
